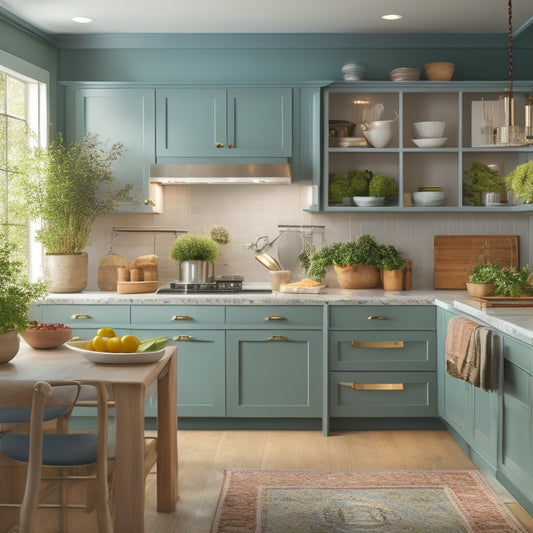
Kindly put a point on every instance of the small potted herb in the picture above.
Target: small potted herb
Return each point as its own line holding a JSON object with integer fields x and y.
{"x": 392, "y": 265}
{"x": 344, "y": 186}
{"x": 479, "y": 179}
{"x": 482, "y": 280}
{"x": 380, "y": 188}
{"x": 520, "y": 180}
{"x": 17, "y": 294}
{"x": 196, "y": 254}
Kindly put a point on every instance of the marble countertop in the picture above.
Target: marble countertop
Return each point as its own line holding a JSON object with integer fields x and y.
{"x": 517, "y": 322}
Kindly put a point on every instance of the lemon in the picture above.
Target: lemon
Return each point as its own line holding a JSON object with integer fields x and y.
{"x": 106, "y": 332}
{"x": 114, "y": 344}
{"x": 130, "y": 343}
{"x": 99, "y": 344}
{"x": 89, "y": 345}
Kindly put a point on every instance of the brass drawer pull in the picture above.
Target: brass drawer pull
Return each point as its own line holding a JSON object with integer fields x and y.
{"x": 81, "y": 317}
{"x": 275, "y": 317}
{"x": 377, "y": 344}
{"x": 183, "y": 338}
{"x": 278, "y": 338}
{"x": 373, "y": 386}
{"x": 378, "y": 317}
{"x": 181, "y": 317}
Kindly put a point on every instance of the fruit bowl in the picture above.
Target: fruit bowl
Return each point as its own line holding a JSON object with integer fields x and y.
{"x": 114, "y": 358}
{"x": 46, "y": 336}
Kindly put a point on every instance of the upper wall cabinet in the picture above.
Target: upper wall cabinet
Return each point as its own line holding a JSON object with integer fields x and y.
{"x": 236, "y": 122}
{"x": 121, "y": 115}
{"x": 434, "y": 161}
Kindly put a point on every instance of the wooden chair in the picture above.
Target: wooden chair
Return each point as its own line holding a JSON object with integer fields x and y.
{"x": 23, "y": 402}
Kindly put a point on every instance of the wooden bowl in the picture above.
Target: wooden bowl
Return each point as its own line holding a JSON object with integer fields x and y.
{"x": 46, "y": 338}
{"x": 439, "y": 71}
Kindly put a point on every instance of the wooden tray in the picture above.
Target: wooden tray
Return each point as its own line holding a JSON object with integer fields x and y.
{"x": 136, "y": 287}
{"x": 455, "y": 255}
{"x": 286, "y": 288}
{"x": 504, "y": 301}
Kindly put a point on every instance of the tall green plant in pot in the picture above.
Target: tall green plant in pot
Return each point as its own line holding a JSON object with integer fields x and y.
{"x": 17, "y": 293}
{"x": 65, "y": 187}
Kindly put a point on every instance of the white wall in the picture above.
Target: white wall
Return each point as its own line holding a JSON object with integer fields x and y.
{"x": 250, "y": 211}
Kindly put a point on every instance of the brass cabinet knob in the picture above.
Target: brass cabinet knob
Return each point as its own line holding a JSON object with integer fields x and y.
{"x": 230, "y": 145}
{"x": 149, "y": 201}
{"x": 219, "y": 144}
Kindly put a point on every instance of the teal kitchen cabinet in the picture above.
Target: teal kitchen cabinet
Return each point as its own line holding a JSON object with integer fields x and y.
{"x": 273, "y": 373}
{"x": 126, "y": 116}
{"x": 274, "y": 361}
{"x": 515, "y": 467}
{"x": 382, "y": 361}
{"x": 198, "y": 332}
{"x": 86, "y": 319}
{"x": 224, "y": 122}
{"x": 470, "y": 411}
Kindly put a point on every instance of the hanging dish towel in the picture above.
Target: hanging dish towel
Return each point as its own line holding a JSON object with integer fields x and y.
{"x": 472, "y": 353}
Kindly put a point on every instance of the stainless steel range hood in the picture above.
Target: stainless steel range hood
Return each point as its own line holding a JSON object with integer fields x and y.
{"x": 220, "y": 173}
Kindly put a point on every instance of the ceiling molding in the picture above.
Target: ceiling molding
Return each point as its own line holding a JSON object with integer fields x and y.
{"x": 26, "y": 27}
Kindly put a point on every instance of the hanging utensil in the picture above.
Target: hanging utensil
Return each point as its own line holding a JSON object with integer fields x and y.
{"x": 268, "y": 261}
{"x": 290, "y": 245}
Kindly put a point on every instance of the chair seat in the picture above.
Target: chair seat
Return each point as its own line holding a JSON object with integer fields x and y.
{"x": 13, "y": 415}
{"x": 58, "y": 450}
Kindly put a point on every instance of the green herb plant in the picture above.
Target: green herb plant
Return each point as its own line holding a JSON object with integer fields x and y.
{"x": 349, "y": 184}
{"x": 485, "y": 273}
{"x": 364, "y": 251}
{"x": 382, "y": 186}
{"x": 390, "y": 258}
{"x": 520, "y": 180}
{"x": 66, "y": 186}
{"x": 194, "y": 248}
{"x": 17, "y": 293}
{"x": 512, "y": 281}
{"x": 477, "y": 179}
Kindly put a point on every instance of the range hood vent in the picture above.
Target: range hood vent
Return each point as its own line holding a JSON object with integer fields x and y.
{"x": 220, "y": 173}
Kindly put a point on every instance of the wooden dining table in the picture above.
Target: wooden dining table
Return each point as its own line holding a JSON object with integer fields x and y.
{"x": 130, "y": 383}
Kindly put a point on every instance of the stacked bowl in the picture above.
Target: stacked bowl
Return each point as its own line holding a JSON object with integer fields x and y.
{"x": 405, "y": 74}
{"x": 429, "y": 134}
{"x": 353, "y": 71}
{"x": 428, "y": 197}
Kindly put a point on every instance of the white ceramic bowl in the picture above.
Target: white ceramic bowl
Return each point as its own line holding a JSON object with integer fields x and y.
{"x": 429, "y": 129}
{"x": 428, "y": 198}
{"x": 378, "y": 137}
{"x": 430, "y": 143}
{"x": 369, "y": 201}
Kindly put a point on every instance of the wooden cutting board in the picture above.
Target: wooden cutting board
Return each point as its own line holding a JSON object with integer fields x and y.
{"x": 455, "y": 255}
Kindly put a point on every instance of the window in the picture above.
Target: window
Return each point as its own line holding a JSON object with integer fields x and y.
{"x": 22, "y": 107}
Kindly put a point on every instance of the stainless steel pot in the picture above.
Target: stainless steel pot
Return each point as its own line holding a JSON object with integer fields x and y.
{"x": 197, "y": 271}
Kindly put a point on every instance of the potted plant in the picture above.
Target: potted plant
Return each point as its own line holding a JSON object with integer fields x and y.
{"x": 380, "y": 188}
{"x": 482, "y": 280}
{"x": 392, "y": 265}
{"x": 520, "y": 181}
{"x": 479, "y": 179}
{"x": 17, "y": 294}
{"x": 356, "y": 263}
{"x": 195, "y": 254}
{"x": 512, "y": 281}
{"x": 345, "y": 185}
{"x": 65, "y": 186}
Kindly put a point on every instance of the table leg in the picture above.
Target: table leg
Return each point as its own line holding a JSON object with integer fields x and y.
{"x": 128, "y": 491}
{"x": 167, "y": 440}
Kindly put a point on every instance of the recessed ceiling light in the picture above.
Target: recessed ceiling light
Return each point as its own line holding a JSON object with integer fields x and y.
{"x": 82, "y": 20}
{"x": 392, "y": 16}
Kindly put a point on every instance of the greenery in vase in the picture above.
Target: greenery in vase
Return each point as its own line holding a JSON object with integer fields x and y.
{"x": 364, "y": 251}
{"x": 477, "y": 179}
{"x": 382, "y": 186}
{"x": 17, "y": 293}
{"x": 520, "y": 180}
{"x": 194, "y": 248}
{"x": 485, "y": 273}
{"x": 66, "y": 187}
{"x": 390, "y": 258}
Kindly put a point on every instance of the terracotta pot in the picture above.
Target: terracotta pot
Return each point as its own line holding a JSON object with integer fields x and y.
{"x": 66, "y": 273}
{"x": 357, "y": 276}
{"x": 393, "y": 280}
{"x": 9, "y": 345}
{"x": 480, "y": 290}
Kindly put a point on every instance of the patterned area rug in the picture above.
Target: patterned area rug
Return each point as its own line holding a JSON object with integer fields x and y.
{"x": 377, "y": 501}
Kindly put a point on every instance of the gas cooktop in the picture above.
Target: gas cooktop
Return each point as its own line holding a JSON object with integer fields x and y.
{"x": 220, "y": 285}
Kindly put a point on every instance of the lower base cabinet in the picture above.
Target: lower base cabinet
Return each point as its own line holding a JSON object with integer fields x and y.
{"x": 269, "y": 374}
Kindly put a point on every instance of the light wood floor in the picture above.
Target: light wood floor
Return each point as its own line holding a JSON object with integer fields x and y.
{"x": 203, "y": 455}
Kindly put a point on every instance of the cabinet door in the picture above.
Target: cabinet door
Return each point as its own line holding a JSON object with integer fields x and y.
{"x": 260, "y": 122}
{"x": 201, "y": 371}
{"x": 126, "y": 116}
{"x": 272, "y": 375}
{"x": 191, "y": 122}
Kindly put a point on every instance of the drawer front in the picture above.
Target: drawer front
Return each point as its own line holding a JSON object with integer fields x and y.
{"x": 87, "y": 316}
{"x": 382, "y": 350}
{"x": 177, "y": 316}
{"x": 383, "y": 394}
{"x": 382, "y": 317}
{"x": 518, "y": 353}
{"x": 274, "y": 316}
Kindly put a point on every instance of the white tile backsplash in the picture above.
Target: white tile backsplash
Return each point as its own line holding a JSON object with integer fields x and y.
{"x": 250, "y": 211}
